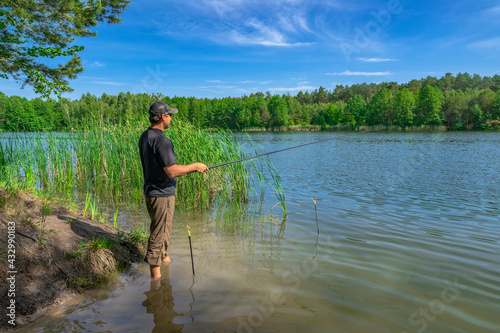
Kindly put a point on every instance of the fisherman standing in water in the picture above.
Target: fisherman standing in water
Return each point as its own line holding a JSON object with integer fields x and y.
{"x": 160, "y": 170}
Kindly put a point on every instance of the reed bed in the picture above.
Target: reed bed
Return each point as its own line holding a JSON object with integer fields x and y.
{"x": 103, "y": 162}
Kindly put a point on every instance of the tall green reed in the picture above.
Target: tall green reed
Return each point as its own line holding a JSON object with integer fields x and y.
{"x": 102, "y": 161}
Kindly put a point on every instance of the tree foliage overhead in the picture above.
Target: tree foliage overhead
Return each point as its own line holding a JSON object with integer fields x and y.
{"x": 35, "y": 29}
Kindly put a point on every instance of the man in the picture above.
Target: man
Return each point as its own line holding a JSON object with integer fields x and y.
{"x": 160, "y": 170}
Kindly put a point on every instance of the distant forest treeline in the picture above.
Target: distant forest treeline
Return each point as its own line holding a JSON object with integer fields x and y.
{"x": 457, "y": 102}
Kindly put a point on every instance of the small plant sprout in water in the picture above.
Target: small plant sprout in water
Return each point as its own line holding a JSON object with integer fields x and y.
{"x": 316, "y": 212}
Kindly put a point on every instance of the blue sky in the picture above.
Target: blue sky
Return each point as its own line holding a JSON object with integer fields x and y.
{"x": 219, "y": 48}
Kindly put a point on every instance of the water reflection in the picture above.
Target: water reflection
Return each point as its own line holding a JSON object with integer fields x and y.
{"x": 160, "y": 302}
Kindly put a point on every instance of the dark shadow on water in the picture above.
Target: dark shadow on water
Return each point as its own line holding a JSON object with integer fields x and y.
{"x": 160, "y": 303}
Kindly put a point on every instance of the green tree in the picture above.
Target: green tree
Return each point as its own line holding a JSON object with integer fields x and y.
{"x": 455, "y": 109}
{"x": 244, "y": 117}
{"x": 300, "y": 97}
{"x": 44, "y": 114}
{"x": 196, "y": 111}
{"x": 379, "y": 110}
{"x": 62, "y": 118}
{"x": 307, "y": 98}
{"x": 356, "y": 106}
{"x": 265, "y": 116}
{"x": 14, "y": 117}
{"x": 478, "y": 117}
{"x": 430, "y": 81}
{"x": 429, "y": 107}
{"x": 495, "y": 113}
{"x": 404, "y": 105}
{"x": 294, "y": 110}
{"x": 414, "y": 85}
{"x": 234, "y": 107}
{"x": 446, "y": 82}
{"x": 311, "y": 110}
{"x": 32, "y": 29}
{"x": 495, "y": 83}
{"x": 348, "y": 118}
{"x": 252, "y": 105}
{"x": 332, "y": 114}
{"x": 321, "y": 95}
{"x": 319, "y": 119}
{"x": 180, "y": 103}
{"x": 28, "y": 121}
{"x": 4, "y": 100}
{"x": 485, "y": 99}
{"x": 462, "y": 81}
{"x": 279, "y": 111}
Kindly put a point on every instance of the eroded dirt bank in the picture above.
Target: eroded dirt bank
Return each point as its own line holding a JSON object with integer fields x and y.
{"x": 48, "y": 253}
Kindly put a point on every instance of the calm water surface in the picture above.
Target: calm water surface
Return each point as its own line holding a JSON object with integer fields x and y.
{"x": 409, "y": 241}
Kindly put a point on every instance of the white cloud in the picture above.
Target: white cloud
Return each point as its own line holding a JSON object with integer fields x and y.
{"x": 348, "y": 72}
{"x": 97, "y": 64}
{"x": 291, "y": 89}
{"x": 245, "y": 82}
{"x": 286, "y": 24}
{"x": 302, "y": 22}
{"x": 277, "y": 23}
{"x": 98, "y": 78}
{"x": 294, "y": 23}
{"x": 218, "y": 87}
{"x": 215, "y": 81}
{"x": 111, "y": 83}
{"x": 247, "y": 91}
{"x": 266, "y": 82}
{"x": 221, "y": 7}
{"x": 493, "y": 11}
{"x": 375, "y": 59}
{"x": 492, "y": 43}
{"x": 261, "y": 34}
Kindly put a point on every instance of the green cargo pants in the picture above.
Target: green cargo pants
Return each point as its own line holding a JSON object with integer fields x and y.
{"x": 161, "y": 212}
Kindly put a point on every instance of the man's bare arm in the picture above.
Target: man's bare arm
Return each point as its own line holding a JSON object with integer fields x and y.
{"x": 176, "y": 170}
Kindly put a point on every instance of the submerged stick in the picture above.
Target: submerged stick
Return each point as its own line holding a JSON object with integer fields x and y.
{"x": 190, "y": 248}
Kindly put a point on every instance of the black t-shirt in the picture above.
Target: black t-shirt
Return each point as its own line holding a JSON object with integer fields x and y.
{"x": 157, "y": 152}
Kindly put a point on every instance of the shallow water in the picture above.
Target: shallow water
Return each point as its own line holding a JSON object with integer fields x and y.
{"x": 409, "y": 241}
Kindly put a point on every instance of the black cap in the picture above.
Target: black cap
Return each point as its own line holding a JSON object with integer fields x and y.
{"x": 159, "y": 108}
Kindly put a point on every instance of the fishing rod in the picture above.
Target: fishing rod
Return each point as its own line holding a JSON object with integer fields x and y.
{"x": 277, "y": 151}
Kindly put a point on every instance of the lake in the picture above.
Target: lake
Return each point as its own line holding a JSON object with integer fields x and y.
{"x": 408, "y": 241}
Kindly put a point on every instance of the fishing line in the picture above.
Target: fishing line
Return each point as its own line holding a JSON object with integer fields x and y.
{"x": 256, "y": 156}
{"x": 280, "y": 150}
